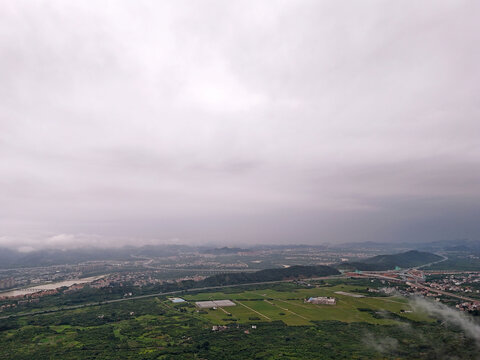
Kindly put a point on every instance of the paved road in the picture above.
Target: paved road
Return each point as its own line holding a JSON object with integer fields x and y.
{"x": 443, "y": 292}
{"x": 372, "y": 274}
{"x": 434, "y": 262}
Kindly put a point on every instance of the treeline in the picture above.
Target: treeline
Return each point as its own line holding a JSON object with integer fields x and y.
{"x": 364, "y": 266}
{"x": 293, "y": 272}
{"x": 88, "y": 295}
{"x": 389, "y": 262}
{"x": 147, "y": 329}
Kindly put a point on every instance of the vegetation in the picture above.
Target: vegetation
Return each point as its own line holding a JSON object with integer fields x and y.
{"x": 458, "y": 261}
{"x": 293, "y": 272}
{"x": 272, "y": 304}
{"x": 91, "y": 295}
{"x": 155, "y": 328}
{"x": 388, "y": 262}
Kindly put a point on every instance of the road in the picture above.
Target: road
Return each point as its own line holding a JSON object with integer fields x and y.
{"x": 465, "y": 298}
{"x": 442, "y": 292}
{"x": 434, "y": 262}
{"x": 418, "y": 285}
{"x": 370, "y": 274}
{"x": 73, "y": 307}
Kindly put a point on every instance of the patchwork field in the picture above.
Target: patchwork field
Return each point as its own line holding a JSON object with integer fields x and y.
{"x": 288, "y": 306}
{"x": 156, "y": 328}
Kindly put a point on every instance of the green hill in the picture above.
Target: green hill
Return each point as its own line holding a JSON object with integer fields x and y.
{"x": 293, "y": 272}
{"x": 407, "y": 259}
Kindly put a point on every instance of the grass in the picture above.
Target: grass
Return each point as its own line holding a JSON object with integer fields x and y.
{"x": 156, "y": 328}
{"x": 289, "y": 306}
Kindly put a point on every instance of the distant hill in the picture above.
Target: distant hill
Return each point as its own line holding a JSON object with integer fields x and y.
{"x": 47, "y": 257}
{"x": 455, "y": 245}
{"x": 293, "y": 272}
{"x": 458, "y": 245}
{"x": 370, "y": 245}
{"x": 224, "y": 251}
{"x": 407, "y": 259}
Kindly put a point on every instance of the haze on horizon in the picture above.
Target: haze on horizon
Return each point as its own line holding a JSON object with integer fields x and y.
{"x": 239, "y": 122}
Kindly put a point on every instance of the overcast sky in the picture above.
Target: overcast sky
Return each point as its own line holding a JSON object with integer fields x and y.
{"x": 238, "y": 122}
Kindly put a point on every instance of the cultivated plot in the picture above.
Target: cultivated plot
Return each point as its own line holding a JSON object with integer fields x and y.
{"x": 289, "y": 306}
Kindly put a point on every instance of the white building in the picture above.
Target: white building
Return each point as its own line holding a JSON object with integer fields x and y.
{"x": 323, "y": 300}
{"x": 214, "y": 304}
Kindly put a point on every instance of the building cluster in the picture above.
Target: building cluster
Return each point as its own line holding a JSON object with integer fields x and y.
{"x": 191, "y": 278}
{"x": 7, "y": 283}
{"x": 75, "y": 287}
{"x": 199, "y": 261}
{"x": 213, "y": 304}
{"x": 219, "y": 327}
{"x": 8, "y": 306}
{"x": 30, "y": 295}
{"x": 23, "y": 277}
{"x": 226, "y": 327}
{"x": 413, "y": 274}
{"x": 322, "y": 300}
{"x": 28, "y": 301}
{"x": 139, "y": 279}
{"x": 302, "y": 283}
{"x": 469, "y": 306}
{"x": 388, "y": 290}
{"x": 458, "y": 283}
{"x": 414, "y": 290}
{"x": 176, "y": 300}
{"x": 100, "y": 283}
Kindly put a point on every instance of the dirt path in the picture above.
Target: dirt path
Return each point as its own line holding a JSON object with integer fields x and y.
{"x": 255, "y": 311}
{"x": 225, "y": 311}
{"x": 285, "y": 309}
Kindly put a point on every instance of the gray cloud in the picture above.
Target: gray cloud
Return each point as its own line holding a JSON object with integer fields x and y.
{"x": 450, "y": 316}
{"x": 384, "y": 345}
{"x": 240, "y": 121}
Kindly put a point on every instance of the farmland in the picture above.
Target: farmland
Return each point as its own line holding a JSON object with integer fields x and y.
{"x": 268, "y": 322}
{"x": 288, "y": 306}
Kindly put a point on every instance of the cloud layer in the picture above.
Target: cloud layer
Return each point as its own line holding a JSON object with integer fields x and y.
{"x": 239, "y": 122}
{"x": 449, "y": 316}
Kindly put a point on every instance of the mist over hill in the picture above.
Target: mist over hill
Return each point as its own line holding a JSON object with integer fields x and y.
{"x": 293, "y": 272}
{"x": 407, "y": 259}
{"x": 429, "y": 246}
{"x": 12, "y": 258}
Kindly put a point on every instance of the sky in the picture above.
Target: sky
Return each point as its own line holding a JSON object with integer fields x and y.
{"x": 238, "y": 122}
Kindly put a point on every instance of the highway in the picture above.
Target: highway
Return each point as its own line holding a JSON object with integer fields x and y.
{"x": 375, "y": 275}
{"x": 434, "y": 262}
{"x": 365, "y": 274}
{"x": 383, "y": 277}
{"x": 443, "y": 292}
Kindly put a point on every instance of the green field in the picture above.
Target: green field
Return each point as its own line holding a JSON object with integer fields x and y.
{"x": 289, "y": 307}
{"x": 287, "y": 328}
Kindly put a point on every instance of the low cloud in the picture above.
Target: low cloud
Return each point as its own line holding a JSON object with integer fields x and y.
{"x": 449, "y": 315}
{"x": 68, "y": 241}
{"x": 383, "y": 345}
